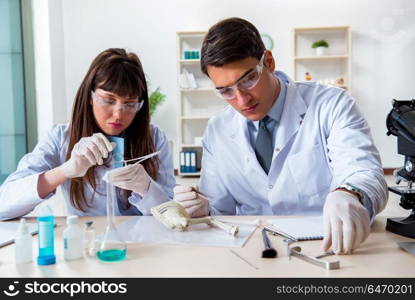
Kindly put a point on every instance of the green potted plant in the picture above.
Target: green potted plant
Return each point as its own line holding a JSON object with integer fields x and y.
{"x": 320, "y": 46}
{"x": 155, "y": 99}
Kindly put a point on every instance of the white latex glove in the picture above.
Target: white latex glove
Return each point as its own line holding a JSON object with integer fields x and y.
{"x": 346, "y": 222}
{"x": 132, "y": 177}
{"x": 89, "y": 151}
{"x": 196, "y": 205}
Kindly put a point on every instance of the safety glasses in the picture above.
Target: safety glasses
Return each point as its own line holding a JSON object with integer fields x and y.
{"x": 112, "y": 105}
{"x": 247, "y": 82}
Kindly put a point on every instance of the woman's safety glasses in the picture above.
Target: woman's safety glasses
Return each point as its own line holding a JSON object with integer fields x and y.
{"x": 247, "y": 82}
{"x": 111, "y": 104}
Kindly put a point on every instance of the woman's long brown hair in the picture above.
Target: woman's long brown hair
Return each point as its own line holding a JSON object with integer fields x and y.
{"x": 121, "y": 73}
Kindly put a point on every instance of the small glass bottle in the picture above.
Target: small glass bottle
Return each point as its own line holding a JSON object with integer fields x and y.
{"x": 89, "y": 239}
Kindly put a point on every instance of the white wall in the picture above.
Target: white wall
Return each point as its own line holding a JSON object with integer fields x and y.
{"x": 49, "y": 64}
{"x": 383, "y": 43}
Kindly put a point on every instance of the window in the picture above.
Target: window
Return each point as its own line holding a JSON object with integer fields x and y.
{"x": 13, "y": 137}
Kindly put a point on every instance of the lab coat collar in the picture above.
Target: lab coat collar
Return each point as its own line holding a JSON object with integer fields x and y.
{"x": 239, "y": 131}
{"x": 292, "y": 115}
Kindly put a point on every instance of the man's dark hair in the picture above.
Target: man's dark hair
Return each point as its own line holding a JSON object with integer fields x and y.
{"x": 230, "y": 40}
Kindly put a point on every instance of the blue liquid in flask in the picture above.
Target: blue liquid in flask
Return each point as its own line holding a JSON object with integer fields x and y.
{"x": 113, "y": 247}
{"x": 112, "y": 255}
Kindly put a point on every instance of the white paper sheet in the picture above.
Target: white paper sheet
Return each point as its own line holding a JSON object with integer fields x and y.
{"x": 146, "y": 229}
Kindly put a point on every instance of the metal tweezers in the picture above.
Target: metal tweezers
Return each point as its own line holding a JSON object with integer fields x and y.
{"x": 139, "y": 159}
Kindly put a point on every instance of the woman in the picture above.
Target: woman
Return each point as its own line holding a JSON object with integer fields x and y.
{"x": 111, "y": 101}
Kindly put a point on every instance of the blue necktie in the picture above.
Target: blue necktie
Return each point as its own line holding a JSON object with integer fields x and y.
{"x": 263, "y": 145}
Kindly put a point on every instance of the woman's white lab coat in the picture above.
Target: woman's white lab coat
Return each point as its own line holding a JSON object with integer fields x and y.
{"x": 19, "y": 196}
{"x": 322, "y": 141}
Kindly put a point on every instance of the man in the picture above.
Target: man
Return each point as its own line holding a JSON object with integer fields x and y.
{"x": 283, "y": 148}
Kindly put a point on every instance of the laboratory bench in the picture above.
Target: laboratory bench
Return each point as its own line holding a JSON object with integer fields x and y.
{"x": 378, "y": 256}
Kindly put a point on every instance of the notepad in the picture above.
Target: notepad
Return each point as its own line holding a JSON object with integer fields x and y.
{"x": 8, "y": 231}
{"x": 298, "y": 228}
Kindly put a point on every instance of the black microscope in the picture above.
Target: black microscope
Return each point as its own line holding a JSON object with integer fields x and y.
{"x": 401, "y": 123}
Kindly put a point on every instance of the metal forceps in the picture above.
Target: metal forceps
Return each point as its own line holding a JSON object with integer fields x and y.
{"x": 138, "y": 159}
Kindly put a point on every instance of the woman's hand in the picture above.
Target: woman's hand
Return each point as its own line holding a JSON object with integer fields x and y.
{"x": 89, "y": 151}
{"x": 132, "y": 177}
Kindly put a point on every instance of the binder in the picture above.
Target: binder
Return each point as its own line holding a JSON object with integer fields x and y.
{"x": 187, "y": 162}
{"x": 193, "y": 161}
{"x": 182, "y": 162}
{"x": 183, "y": 81}
{"x": 192, "y": 80}
{"x": 298, "y": 228}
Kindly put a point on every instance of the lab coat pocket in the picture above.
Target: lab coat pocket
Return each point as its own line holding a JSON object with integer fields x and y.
{"x": 310, "y": 170}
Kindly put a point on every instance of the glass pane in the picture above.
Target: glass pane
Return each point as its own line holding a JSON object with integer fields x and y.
{"x": 12, "y": 104}
{"x": 10, "y": 29}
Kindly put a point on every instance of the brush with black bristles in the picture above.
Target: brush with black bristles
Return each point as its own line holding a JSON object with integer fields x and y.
{"x": 268, "y": 252}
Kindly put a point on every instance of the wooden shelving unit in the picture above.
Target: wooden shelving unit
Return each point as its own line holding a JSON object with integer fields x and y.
{"x": 195, "y": 105}
{"x": 335, "y": 64}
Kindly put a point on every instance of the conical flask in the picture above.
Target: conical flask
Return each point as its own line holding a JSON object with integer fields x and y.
{"x": 113, "y": 246}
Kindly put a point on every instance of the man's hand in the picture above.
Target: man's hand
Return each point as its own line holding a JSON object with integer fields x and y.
{"x": 196, "y": 205}
{"x": 346, "y": 222}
